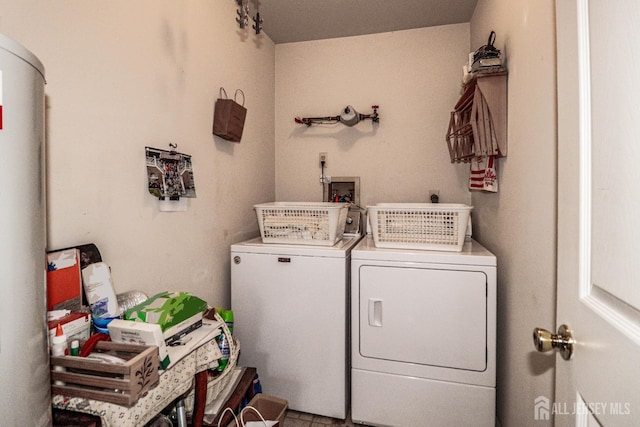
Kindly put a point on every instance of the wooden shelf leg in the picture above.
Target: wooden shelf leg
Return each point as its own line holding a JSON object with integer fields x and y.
{"x": 200, "y": 399}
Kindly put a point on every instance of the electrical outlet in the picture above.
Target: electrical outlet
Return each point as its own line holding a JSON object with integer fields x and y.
{"x": 323, "y": 157}
{"x": 434, "y": 196}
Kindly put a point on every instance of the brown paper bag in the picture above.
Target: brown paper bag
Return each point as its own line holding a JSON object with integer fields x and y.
{"x": 228, "y": 117}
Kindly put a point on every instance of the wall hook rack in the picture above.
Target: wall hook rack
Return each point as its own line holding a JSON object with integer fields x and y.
{"x": 348, "y": 116}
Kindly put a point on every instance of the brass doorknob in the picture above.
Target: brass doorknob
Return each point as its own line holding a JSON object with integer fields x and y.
{"x": 562, "y": 341}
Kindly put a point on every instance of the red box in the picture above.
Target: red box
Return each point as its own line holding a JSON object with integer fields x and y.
{"x": 64, "y": 280}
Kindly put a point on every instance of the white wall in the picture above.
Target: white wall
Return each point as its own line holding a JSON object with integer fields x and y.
{"x": 519, "y": 223}
{"x": 122, "y": 75}
{"x": 413, "y": 75}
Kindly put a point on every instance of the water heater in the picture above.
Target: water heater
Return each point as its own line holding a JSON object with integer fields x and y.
{"x": 24, "y": 356}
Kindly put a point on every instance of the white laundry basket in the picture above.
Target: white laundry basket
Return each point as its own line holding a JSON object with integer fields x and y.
{"x": 302, "y": 223}
{"x": 429, "y": 226}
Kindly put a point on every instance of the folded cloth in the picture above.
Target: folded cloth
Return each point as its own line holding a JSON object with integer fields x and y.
{"x": 484, "y": 174}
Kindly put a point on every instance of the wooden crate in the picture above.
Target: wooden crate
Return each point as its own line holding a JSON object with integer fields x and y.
{"x": 121, "y": 384}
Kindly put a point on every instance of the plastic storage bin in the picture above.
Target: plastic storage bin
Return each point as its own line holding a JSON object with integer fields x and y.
{"x": 302, "y": 223}
{"x": 429, "y": 226}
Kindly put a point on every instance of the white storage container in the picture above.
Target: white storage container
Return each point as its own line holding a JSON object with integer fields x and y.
{"x": 302, "y": 223}
{"x": 429, "y": 226}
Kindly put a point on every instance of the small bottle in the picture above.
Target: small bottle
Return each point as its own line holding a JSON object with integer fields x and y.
{"x": 223, "y": 343}
{"x": 75, "y": 348}
{"x": 223, "y": 339}
{"x": 227, "y": 316}
{"x": 59, "y": 348}
{"x": 59, "y": 342}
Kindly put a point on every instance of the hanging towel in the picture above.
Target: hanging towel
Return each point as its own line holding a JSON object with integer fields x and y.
{"x": 484, "y": 174}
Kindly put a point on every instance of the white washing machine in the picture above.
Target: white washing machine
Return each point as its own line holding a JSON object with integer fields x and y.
{"x": 423, "y": 336}
{"x": 290, "y": 305}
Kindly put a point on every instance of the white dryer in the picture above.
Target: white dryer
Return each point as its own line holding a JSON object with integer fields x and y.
{"x": 423, "y": 327}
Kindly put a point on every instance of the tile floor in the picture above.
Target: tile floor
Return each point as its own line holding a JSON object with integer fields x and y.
{"x": 301, "y": 419}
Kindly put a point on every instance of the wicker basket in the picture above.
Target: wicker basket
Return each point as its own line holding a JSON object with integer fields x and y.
{"x": 217, "y": 384}
{"x": 428, "y": 226}
{"x": 302, "y": 223}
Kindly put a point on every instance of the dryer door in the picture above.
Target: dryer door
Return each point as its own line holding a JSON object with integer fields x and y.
{"x": 424, "y": 316}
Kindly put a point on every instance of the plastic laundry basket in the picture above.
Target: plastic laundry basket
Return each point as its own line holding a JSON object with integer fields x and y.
{"x": 429, "y": 226}
{"x": 302, "y": 223}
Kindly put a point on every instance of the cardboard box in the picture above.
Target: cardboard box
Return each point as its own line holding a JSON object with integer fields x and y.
{"x": 270, "y": 407}
{"x": 177, "y": 313}
{"x": 76, "y": 326}
{"x": 127, "y": 331}
{"x": 64, "y": 280}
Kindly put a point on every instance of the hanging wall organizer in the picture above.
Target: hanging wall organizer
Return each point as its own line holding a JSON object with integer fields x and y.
{"x": 243, "y": 16}
{"x": 477, "y": 132}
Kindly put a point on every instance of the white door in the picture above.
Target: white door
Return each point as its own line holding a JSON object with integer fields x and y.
{"x": 424, "y": 316}
{"x": 598, "y": 213}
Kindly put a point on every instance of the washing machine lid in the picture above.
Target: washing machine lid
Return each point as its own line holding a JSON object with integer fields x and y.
{"x": 473, "y": 253}
{"x": 339, "y": 250}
